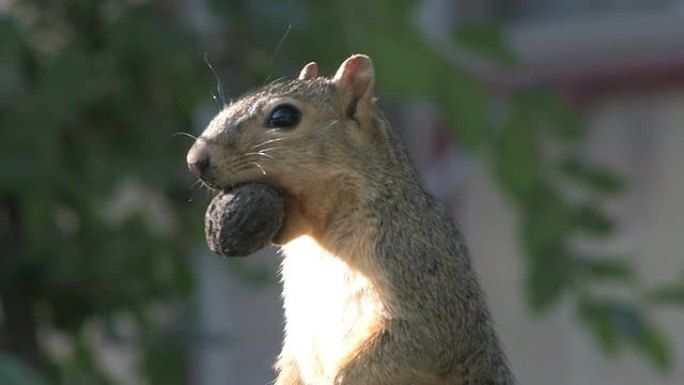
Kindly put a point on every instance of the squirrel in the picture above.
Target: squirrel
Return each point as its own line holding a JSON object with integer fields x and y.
{"x": 378, "y": 286}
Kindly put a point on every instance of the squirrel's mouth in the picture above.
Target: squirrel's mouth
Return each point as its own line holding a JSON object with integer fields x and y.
{"x": 293, "y": 217}
{"x": 294, "y": 223}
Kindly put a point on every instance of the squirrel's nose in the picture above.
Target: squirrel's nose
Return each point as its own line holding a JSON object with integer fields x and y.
{"x": 198, "y": 159}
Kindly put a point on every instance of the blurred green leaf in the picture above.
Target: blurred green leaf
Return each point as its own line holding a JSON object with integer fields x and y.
{"x": 546, "y": 223}
{"x": 398, "y": 54}
{"x": 548, "y": 278}
{"x": 655, "y": 346}
{"x": 544, "y": 232}
{"x": 164, "y": 358}
{"x": 635, "y": 328}
{"x": 600, "y": 323}
{"x": 553, "y": 113}
{"x": 13, "y": 372}
{"x": 517, "y": 156}
{"x": 486, "y": 40}
{"x": 613, "y": 322}
{"x": 465, "y": 107}
{"x": 589, "y": 219}
{"x": 607, "y": 268}
{"x": 11, "y": 55}
{"x": 10, "y": 38}
{"x": 598, "y": 179}
{"x": 667, "y": 294}
{"x": 83, "y": 365}
{"x": 63, "y": 89}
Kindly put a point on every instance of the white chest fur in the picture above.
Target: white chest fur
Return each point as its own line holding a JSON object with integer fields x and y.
{"x": 329, "y": 309}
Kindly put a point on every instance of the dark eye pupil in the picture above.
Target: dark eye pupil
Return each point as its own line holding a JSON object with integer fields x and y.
{"x": 284, "y": 116}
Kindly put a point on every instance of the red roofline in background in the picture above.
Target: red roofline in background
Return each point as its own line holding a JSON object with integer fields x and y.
{"x": 630, "y": 77}
{"x": 590, "y": 56}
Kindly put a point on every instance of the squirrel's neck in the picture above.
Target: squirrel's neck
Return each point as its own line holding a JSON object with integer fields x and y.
{"x": 386, "y": 202}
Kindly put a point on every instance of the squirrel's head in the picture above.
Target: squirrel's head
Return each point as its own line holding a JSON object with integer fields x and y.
{"x": 307, "y": 137}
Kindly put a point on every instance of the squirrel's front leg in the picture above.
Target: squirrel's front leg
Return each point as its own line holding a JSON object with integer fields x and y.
{"x": 288, "y": 371}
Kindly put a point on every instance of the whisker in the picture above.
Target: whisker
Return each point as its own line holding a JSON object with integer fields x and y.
{"x": 238, "y": 166}
{"x": 268, "y": 142}
{"x": 275, "y": 52}
{"x": 219, "y": 86}
{"x": 276, "y": 80}
{"x": 242, "y": 167}
{"x": 218, "y": 104}
{"x": 180, "y": 133}
{"x": 259, "y": 166}
{"x": 206, "y": 186}
{"x": 233, "y": 164}
{"x": 198, "y": 184}
{"x": 259, "y": 153}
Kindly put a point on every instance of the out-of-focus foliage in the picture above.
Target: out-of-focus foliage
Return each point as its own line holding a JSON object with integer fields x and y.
{"x": 671, "y": 294}
{"x": 13, "y": 371}
{"x": 94, "y": 213}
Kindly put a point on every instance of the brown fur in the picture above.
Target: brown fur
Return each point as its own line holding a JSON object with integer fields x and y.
{"x": 377, "y": 283}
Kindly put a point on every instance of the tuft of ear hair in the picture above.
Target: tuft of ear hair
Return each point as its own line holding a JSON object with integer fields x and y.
{"x": 310, "y": 71}
{"x": 356, "y": 76}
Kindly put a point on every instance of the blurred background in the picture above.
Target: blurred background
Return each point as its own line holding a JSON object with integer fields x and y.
{"x": 552, "y": 130}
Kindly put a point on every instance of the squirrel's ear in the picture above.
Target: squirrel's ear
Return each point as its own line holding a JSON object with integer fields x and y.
{"x": 310, "y": 71}
{"x": 356, "y": 74}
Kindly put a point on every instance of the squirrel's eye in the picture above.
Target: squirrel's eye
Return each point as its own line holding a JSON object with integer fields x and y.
{"x": 284, "y": 116}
